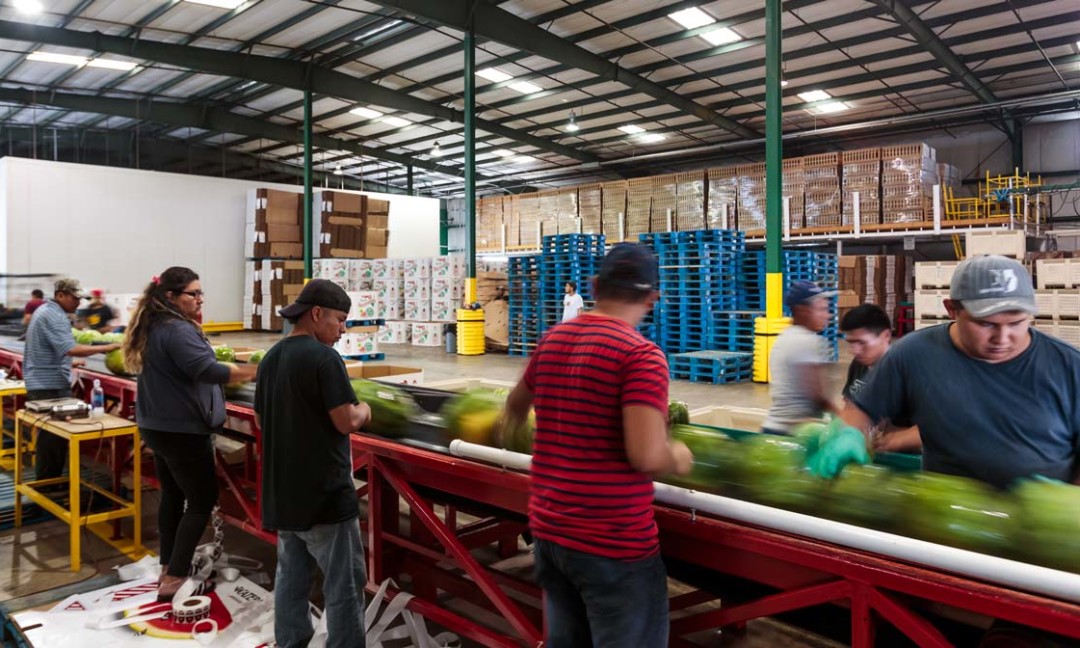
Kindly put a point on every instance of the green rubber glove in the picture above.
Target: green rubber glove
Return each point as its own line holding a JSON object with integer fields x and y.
{"x": 840, "y": 445}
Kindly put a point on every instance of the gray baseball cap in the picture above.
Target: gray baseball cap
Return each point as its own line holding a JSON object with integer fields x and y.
{"x": 991, "y": 284}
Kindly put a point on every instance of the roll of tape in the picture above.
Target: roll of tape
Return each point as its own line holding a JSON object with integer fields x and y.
{"x": 192, "y": 609}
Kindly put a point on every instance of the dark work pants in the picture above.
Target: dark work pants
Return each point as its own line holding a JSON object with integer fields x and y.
{"x": 185, "y": 469}
{"x": 51, "y": 454}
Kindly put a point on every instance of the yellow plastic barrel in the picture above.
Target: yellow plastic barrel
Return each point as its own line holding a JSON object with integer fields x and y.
{"x": 765, "y": 332}
{"x": 470, "y": 332}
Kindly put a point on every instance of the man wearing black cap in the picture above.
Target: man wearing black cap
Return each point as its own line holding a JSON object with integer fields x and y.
{"x": 600, "y": 391}
{"x": 306, "y": 408}
{"x": 797, "y": 362}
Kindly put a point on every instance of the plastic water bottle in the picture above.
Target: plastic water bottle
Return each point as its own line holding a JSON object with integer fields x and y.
{"x": 97, "y": 400}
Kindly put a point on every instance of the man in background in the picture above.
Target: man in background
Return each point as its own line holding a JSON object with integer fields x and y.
{"x": 37, "y": 299}
{"x": 98, "y": 315}
{"x": 572, "y": 302}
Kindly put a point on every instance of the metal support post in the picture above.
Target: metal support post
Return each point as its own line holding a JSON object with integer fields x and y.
{"x": 308, "y": 193}
{"x": 409, "y": 180}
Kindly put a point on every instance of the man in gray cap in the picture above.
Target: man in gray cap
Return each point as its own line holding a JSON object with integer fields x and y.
{"x": 994, "y": 399}
{"x": 306, "y": 408}
{"x": 47, "y": 367}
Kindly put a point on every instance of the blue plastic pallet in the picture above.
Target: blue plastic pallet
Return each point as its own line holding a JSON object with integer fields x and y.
{"x": 366, "y": 356}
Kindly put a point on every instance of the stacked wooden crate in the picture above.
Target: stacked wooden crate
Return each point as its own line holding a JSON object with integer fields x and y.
{"x": 549, "y": 211}
{"x": 1058, "y": 298}
{"x": 489, "y": 223}
{"x": 751, "y": 197}
{"x": 638, "y": 203}
{"x": 690, "y": 201}
{"x": 512, "y": 221}
{"x": 567, "y": 211}
{"x": 823, "y": 196}
{"x": 590, "y": 201}
{"x": 723, "y": 198}
{"x": 613, "y": 210}
{"x": 528, "y": 216}
{"x": 664, "y": 202}
{"x": 908, "y": 176}
{"x": 932, "y": 281}
{"x": 794, "y": 175}
{"x": 862, "y": 174}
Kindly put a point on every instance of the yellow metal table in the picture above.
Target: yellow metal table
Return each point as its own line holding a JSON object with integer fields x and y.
{"x": 8, "y": 388}
{"x": 76, "y": 432}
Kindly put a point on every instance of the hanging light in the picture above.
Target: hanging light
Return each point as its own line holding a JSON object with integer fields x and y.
{"x": 337, "y": 170}
{"x": 435, "y": 150}
{"x": 572, "y": 124}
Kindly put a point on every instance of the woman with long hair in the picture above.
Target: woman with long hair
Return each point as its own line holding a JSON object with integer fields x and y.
{"x": 179, "y": 406}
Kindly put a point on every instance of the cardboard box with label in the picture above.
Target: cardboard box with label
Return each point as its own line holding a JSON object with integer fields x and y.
{"x": 417, "y": 288}
{"x": 392, "y": 308}
{"x": 393, "y": 374}
{"x": 395, "y": 333}
{"x": 427, "y": 334}
{"x": 418, "y": 310}
{"x": 443, "y": 310}
{"x": 365, "y": 305}
{"x": 387, "y": 269}
{"x": 417, "y": 268}
{"x": 452, "y": 265}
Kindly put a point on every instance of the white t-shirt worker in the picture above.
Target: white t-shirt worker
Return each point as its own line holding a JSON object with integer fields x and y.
{"x": 572, "y": 304}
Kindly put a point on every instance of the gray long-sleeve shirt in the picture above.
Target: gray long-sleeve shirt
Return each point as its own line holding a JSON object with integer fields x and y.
{"x": 179, "y": 389}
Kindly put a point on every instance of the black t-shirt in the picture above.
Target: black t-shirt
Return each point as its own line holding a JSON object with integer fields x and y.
{"x": 857, "y": 377}
{"x": 97, "y": 317}
{"x": 307, "y": 463}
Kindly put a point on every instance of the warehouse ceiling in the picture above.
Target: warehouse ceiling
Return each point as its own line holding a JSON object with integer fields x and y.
{"x": 567, "y": 92}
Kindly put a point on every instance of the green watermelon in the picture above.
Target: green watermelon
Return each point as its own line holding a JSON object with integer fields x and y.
{"x": 113, "y": 338}
{"x": 473, "y": 416}
{"x": 224, "y": 353}
{"x": 718, "y": 460}
{"x": 257, "y": 356}
{"x": 1048, "y": 524}
{"x": 520, "y": 438}
{"x": 114, "y": 362}
{"x": 390, "y": 407}
{"x": 678, "y": 413}
{"x": 862, "y": 495}
{"x": 775, "y": 474}
{"x": 88, "y": 336}
{"x": 956, "y": 511}
{"x": 232, "y": 390}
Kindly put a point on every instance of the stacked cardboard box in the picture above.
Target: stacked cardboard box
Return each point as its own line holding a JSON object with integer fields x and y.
{"x": 884, "y": 280}
{"x": 528, "y": 219}
{"x": 664, "y": 201}
{"x": 794, "y": 190}
{"x": 395, "y": 333}
{"x": 908, "y": 176}
{"x": 638, "y": 205}
{"x": 388, "y": 284}
{"x": 273, "y": 225}
{"x": 751, "y": 197}
{"x": 512, "y": 220}
{"x": 489, "y": 222}
{"x": 590, "y": 200}
{"x": 613, "y": 209}
{"x": 690, "y": 201}
{"x": 416, "y": 274}
{"x": 862, "y": 175}
{"x": 949, "y": 176}
{"x": 427, "y": 334}
{"x": 350, "y": 274}
{"x": 566, "y": 213}
{"x": 723, "y": 197}
{"x": 447, "y": 287}
{"x": 358, "y": 341}
{"x": 350, "y": 226}
{"x": 821, "y": 174}
{"x": 269, "y": 286}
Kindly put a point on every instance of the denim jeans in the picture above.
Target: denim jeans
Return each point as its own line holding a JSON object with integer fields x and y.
{"x": 337, "y": 550}
{"x": 591, "y": 601}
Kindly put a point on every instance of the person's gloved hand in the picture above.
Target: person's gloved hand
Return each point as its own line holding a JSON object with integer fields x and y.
{"x": 839, "y": 445}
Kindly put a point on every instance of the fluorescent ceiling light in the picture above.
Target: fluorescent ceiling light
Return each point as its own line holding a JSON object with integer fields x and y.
{"x": 632, "y": 129}
{"x": 113, "y": 64}
{"x": 651, "y": 138}
{"x": 53, "y": 57}
{"x": 721, "y": 36}
{"x": 377, "y": 30}
{"x": 366, "y": 113}
{"x": 396, "y": 121}
{"x": 523, "y": 159}
{"x": 692, "y": 17}
{"x": 28, "y": 6}
{"x": 494, "y": 75}
{"x": 223, "y": 4}
{"x": 524, "y": 87}
{"x": 503, "y": 152}
{"x": 814, "y": 95}
{"x": 829, "y": 107}
{"x": 783, "y": 83}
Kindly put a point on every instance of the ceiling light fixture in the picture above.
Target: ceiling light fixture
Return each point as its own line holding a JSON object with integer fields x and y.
{"x": 53, "y": 57}
{"x": 829, "y": 107}
{"x": 692, "y": 18}
{"x": 338, "y": 171}
{"x": 494, "y": 75}
{"x": 435, "y": 150}
{"x": 783, "y": 83}
{"x": 814, "y": 95}
{"x": 523, "y": 159}
{"x": 396, "y": 121}
{"x": 524, "y": 87}
{"x": 632, "y": 129}
{"x": 28, "y": 6}
{"x": 572, "y": 124}
{"x": 503, "y": 152}
{"x": 113, "y": 64}
{"x": 377, "y": 30}
{"x": 366, "y": 113}
{"x": 651, "y": 138}
{"x": 721, "y": 36}
{"x": 220, "y": 4}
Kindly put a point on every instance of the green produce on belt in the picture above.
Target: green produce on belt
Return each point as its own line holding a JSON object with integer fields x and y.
{"x": 1048, "y": 524}
{"x": 257, "y": 356}
{"x": 89, "y": 336}
{"x": 232, "y": 390}
{"x": 113, "y": 338}
{"x": 774, "y": 474}
{"x": 678, "y": 413}
{"x": 473, "y": 416}
{"x": 114, "y": 362}
{"x": 224, "y": 353}
{"x": 718, "y": 460}
{"x": 520, "y": 438}
{"x": 863, "y": 495}
{"x": 390, "y": 407}
{"x": 955, "y": 511}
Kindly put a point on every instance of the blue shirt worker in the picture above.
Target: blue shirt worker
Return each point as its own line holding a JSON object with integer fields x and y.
{"x": 50, "y": 347}
{"x": 994, "y": 399}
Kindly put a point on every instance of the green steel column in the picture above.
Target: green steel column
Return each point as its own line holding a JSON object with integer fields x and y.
{"x": 470, "y": 164}
{"x": 409, "y": 181}
{"x": 444, "y": 228}
{"x": 774, "y": 205}
{"x": 307, "y": 184}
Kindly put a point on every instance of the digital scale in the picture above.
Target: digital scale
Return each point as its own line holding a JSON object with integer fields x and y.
{"x": 60, "y": 408}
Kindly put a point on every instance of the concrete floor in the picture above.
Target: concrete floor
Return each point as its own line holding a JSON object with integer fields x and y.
{"x": 35, "y": 559}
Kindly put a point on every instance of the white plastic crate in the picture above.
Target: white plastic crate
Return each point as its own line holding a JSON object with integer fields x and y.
{"x": 930, "y": 304}
{"x": 934, "y": 274}
{"x": 1004, "y": 242}
{"x": 1057, "y": 273}
{"x": 1068, "y": 332}
{"x": 1067, "y": 304}
{"x": 1046, "y": 302}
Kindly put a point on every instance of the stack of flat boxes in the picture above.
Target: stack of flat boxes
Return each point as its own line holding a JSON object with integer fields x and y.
{"x": 908, "y": 176}
{"x": 884, "y": 280}
{"x": 350, "y": 226}
{"x": 361, "y": 337}
{"x": 489, "y": 222}
{"x": 528, "y": 219}
{"x": 589, "y": 208}
{"x": 723, "y": 198}
{"x": 862, "y": 175}
{"x": 271, "y": 231}
{"x": 690, "y": 201}
{"x": 794, "y": 176}
{"x": 279, "y": 284}
{"x": 512, "y": 221}
{"x": 613, "y": 210}
{"x": 949, "y": 176}
{"x": 664, "y": 202}
{"x": 751, "y": 197}
{"x": 823, "y": 196}
{"x": 566, "y": 214}
{"x": 638, "y": 208}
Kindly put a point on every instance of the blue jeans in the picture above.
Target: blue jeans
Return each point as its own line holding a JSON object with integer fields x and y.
{"x": 597, "y": 602}
{"x": 339, "y": 553}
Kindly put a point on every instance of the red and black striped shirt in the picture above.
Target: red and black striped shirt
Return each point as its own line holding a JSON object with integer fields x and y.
{"x": 585, "y": 495}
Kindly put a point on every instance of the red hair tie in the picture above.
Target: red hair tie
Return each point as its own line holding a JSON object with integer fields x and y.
{"x": 155, "y": 280}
